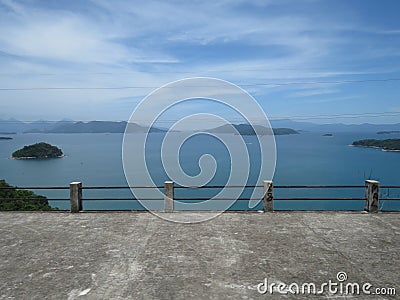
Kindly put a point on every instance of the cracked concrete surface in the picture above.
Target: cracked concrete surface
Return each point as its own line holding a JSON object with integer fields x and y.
{"x": 135, "y": 255}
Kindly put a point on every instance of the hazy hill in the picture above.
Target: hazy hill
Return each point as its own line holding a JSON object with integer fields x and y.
{"x": 69, "y": 126}
{"x": 245, "y": 129}
{"x": 96, "y": 127}
{"x": 16, "y": 126}
{"x": 90, "y": 127}
{"x": 334, "y": 127}
{"x": 12, "y": 125}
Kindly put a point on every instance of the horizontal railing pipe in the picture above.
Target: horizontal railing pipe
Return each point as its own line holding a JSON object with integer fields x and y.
{"x": 372, "y": 194}
{"x": 35, "y": 199}
{"x": 117, "y": 199}
{"x": 34, "y": 188}
{"x": 119, "y": 187}
{"x": 320, "y": 198}
{"x": 318, "y": 186}
{"x": 216, "y": 186}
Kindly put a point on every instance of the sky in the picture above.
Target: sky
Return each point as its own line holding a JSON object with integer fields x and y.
{"x": 311, "y": 60}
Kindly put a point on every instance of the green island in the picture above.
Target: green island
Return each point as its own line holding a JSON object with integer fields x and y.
{"x": 39, "y": 150}
{"x": 13, "y": 199}
{"x": 388, "y": 145}
{"x": 388, "y": 132}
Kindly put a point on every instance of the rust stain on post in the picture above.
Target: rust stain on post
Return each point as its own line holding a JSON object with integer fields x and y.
{"x": 268, "y": 199}
{"x": 371, "y": 195}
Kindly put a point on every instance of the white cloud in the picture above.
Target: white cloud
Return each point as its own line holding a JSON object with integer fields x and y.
{"x": 150, "y": 43}
{"x": 64, "y": 36}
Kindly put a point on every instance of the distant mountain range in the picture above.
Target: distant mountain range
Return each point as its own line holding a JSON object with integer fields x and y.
{"x": 283, "y": 126}
{"x": 16, "y": 126}
{"x": 96, "y": 127}
{"x": 66, "y": 126}
{"x": 334, "y": 127}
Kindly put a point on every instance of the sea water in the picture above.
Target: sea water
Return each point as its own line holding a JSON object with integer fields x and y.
{"x": 302, "y": 159}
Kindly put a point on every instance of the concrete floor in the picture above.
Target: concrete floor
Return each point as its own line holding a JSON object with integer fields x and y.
{"x": 135, "y": 255}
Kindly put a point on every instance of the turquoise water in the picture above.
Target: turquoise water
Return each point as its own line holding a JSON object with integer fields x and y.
{"x": 305, "y": 159}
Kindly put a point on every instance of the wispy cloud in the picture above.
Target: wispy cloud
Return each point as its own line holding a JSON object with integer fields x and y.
{"x": 314, "y": 92}
{"x": 149, "y": 43}
{"x": 331, "y": 99}
{"x": 66, "y": 36}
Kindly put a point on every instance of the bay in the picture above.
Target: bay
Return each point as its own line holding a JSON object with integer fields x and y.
{"x": 304, "y": 159}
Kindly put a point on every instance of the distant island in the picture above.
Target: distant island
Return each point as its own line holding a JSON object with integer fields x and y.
{"x": 13, "y": 199}
{"x": 70, "y": 126}
{"x": 284, "y": 131}
{"x": 39, "y": 150}
{"x": 388, "y": 132}
{"x": 121, "y": 127}
{"x": 328, "y": 134}
{"x": 387, "y": 145}
{"x": 246, "y": 129}
{"x": 5, "y": 138}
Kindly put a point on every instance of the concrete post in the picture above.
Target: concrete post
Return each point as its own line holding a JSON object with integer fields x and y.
{"x": 75, "y": 196}
{"x": 371, "y": 196}
{"x": 169, "y": 196}
{"x": 268, "y": 198}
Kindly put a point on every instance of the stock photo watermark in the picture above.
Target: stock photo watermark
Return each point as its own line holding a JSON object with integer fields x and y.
{"x": 341, "y": 286}
{"x": 219, "y": 100}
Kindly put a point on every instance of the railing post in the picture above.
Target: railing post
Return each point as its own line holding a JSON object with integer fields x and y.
{"x": 75, "y": 196}
{"x": 371, "y": 196}
{"x": 268, "y": 198}
{"x": 169, "y": 196}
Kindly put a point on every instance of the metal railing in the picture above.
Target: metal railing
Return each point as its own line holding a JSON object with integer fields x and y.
{"x": 372, "y": 194}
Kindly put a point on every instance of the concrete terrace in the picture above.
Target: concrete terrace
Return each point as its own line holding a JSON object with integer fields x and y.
{"x": 135, "y": 255}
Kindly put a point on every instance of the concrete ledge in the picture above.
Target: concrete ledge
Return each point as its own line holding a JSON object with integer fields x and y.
{"x": 124, "y": 255}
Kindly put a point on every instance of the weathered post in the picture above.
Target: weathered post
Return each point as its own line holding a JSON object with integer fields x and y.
{"x": 371, "y": 196}
{"x": 75, "y": 196}
{"x": 169, "y": 196}
{"x": 268, "y": 198}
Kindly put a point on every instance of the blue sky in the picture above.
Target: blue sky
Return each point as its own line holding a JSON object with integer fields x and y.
{"x": 293, "y": 57}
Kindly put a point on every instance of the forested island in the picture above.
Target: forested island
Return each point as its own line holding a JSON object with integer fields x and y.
{"x": 39, "y": 150}
{"x": 5, "y": 138}
{"x": 388, "y": 145}
{"x": 13, "y": 199}
{"x": 388, "y": 132}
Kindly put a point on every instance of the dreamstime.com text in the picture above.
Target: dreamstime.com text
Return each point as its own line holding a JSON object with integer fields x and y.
{"x": 339, "y": 287}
